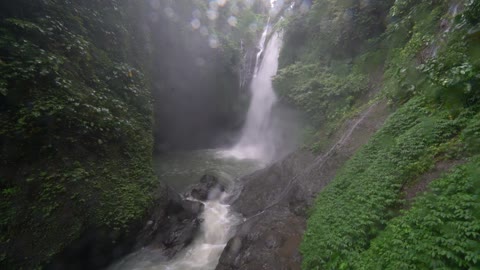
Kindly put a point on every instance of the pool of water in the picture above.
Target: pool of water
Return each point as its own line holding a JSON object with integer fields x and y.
{"x": 182, "y": 169}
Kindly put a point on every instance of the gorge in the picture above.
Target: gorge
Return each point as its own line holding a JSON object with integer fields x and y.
{"x": 239, "y": 134}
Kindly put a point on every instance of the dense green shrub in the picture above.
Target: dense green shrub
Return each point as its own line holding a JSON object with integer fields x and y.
{"x": 364, "y": 195}
{"x": 322, "y": 94}
{"x": 326, "y": 64}
{"x": 430, "y": 60}
{"x": 440, "y": 231}
{"x": 75, "y": 125}
{"x": 472, "y": 13}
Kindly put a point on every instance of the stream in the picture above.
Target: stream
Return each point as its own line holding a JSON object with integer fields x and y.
{"x": 259, "y": 144}
{"x": 181, "y": 170}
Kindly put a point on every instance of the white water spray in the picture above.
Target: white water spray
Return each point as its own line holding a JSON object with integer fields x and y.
{"x": 261, "y": 47}
{"x": 258, "y": 137}
{"x": 202, "y": 254}
{"x": 258, "y": 142}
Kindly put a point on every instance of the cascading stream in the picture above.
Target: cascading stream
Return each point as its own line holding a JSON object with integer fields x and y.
{"x": 257, "y": 146}
{"x": 202, "y": 254}
{"x": 261, "y": 48}
{"x": 257, "y": 139}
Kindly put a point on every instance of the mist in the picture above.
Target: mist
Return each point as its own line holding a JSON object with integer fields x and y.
{"x": 197, "y": 55}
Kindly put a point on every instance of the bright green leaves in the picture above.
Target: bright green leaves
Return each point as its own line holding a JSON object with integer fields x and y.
{"x": 329, "y": 65}
{"x": 471, "y": 135}
{"x": 440, "y": 231}
{"x": 427, "y": 63}
{"x": 25, "y": 25}
{"x": 365, "y": 195}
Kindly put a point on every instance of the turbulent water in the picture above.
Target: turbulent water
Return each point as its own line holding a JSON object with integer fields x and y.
{"x": 202, "y": 254}
{"x": 180, "y": 170}
{"x": 258, "y": 139}
{"x": 257, "y": 146}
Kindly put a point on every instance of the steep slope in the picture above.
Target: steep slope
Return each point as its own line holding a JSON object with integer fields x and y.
{"x": 339, "y": 58}
{"x": 275, "y": 200}
{"x": 425, "y": 59}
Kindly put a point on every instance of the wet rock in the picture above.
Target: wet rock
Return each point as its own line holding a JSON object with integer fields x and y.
{"x": 177, "y": 237}
{"x": 274, "y": 201}
{"x": 209, "y": 188}
{"x": 267, "y": 241}
{"x": 171, "y": 227}
{"x": 199, "y": 194}
{"x": 271, "y": 242}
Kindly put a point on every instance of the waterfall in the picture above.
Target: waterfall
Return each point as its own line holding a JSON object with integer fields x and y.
{"x": 257, "y": 139}
{"x": 262, "y": 133}
{"x": 202, "y": 254}
{"x": 261, "y": 47}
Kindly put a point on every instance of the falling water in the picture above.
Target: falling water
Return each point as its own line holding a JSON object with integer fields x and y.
{"x": 181, "y": 170}
{"x": 261, "y": 48}
{"x": 257, "y": 143}
{"x": 257, "y": 140}
{"x": 202, "y": 254}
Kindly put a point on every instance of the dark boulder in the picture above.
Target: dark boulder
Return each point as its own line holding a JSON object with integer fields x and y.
{"x": 208, "y": 188}
{"x": 173, "y": 227}
{"x": 98, "y": 247}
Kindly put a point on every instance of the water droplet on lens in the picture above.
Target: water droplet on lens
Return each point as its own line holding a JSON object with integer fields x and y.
{"x": 213, "y": 42}
{"x": 195, "y": 24}
{"x": 212, "y": 14}
{"x": 232, "y": 21}
{"x": 197, "y": 14}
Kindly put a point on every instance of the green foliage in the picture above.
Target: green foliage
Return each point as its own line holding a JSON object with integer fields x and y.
{"x": 333, "y": 30}
{"x": 76, "y": 113}
{"x": 472, "y": 13}
{"x": 327, "y": 69}
{"x": 443, "y": 64}
{"x": 440, "y": 231}
{"x": 429, "y": 60}
{"x": 471, "y": 135}
{"x": 75, "y": 125}
{"x": 322, "y": 94}
{"x": 249, "y": 19}
{"x": 362, "y": 198}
